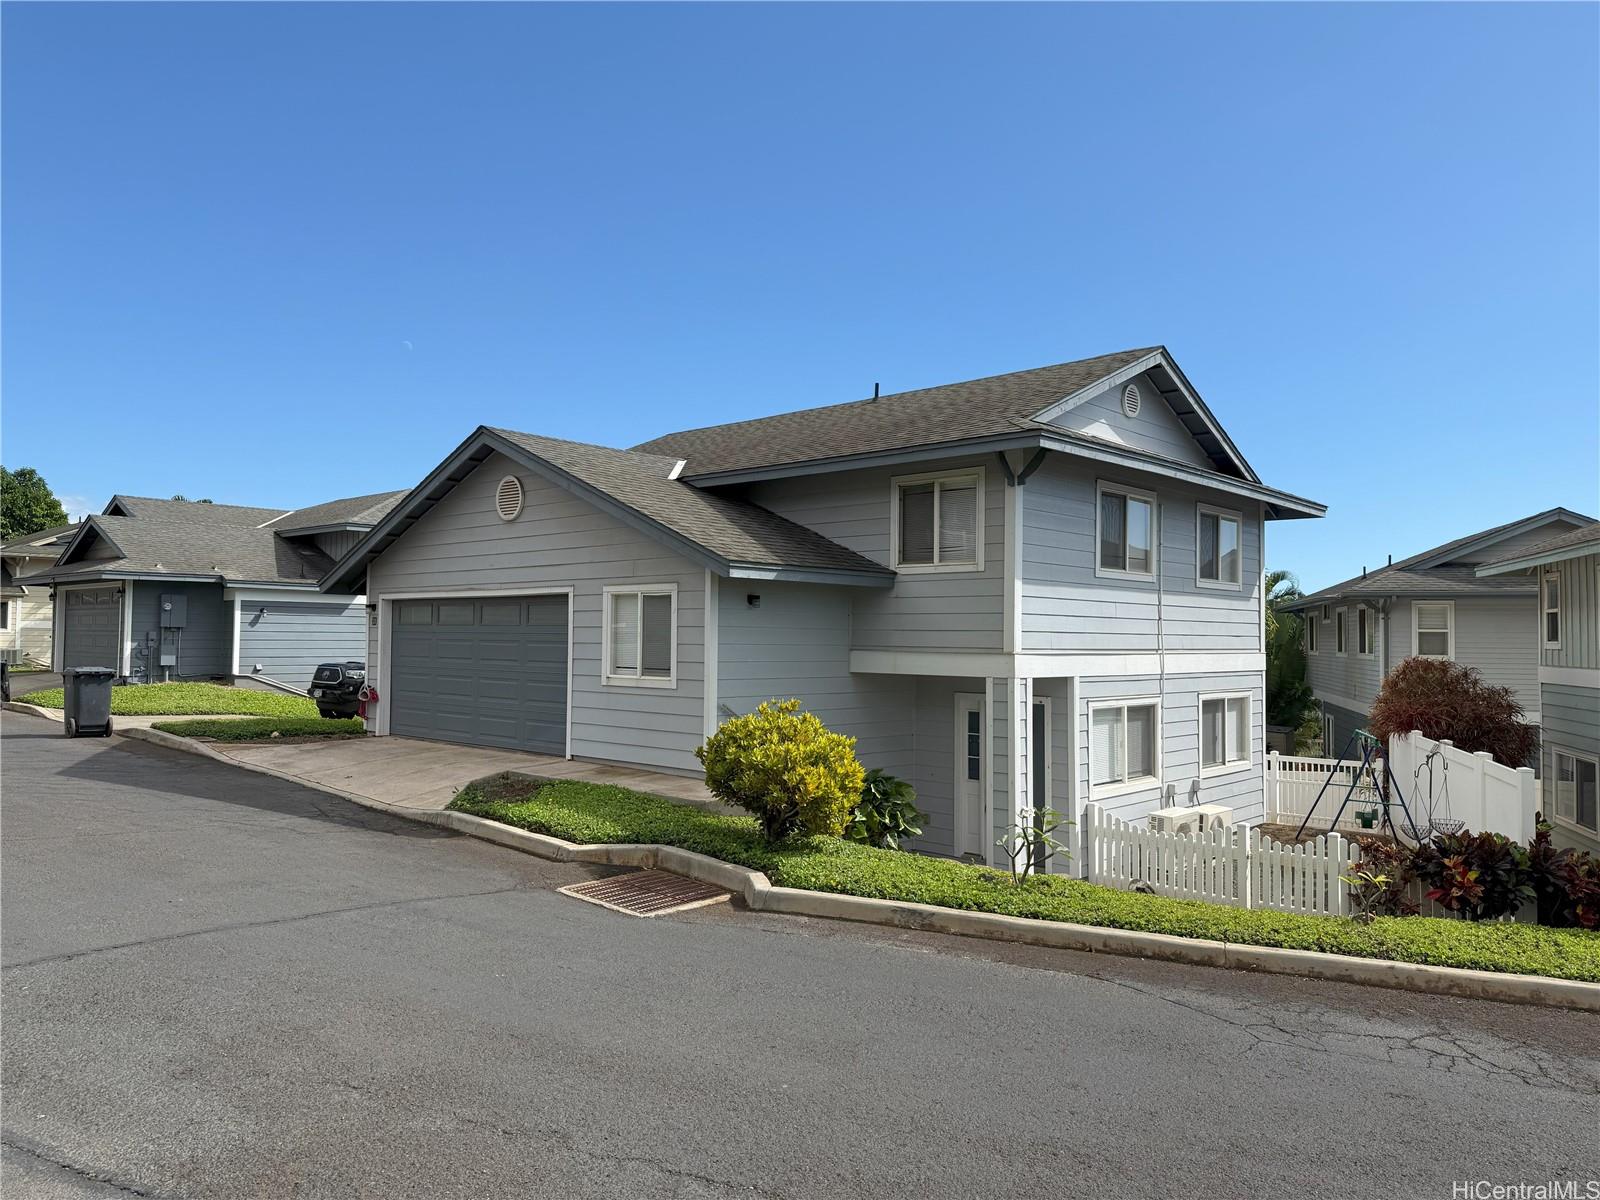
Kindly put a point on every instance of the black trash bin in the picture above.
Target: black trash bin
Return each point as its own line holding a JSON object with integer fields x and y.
{"x": 86, "y": 710}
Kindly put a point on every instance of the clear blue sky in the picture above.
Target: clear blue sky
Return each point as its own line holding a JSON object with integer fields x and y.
{"x": 273, "y": 254}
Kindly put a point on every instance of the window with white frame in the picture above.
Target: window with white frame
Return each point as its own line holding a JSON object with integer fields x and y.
{"x": 1574, "y": 791}
{"x": 938, "y": 522}
{"x": 1365, "y": 642}
{"x": 1552, "y": 610}
{"x": 1313, "y": 626}
{"x": 1433, "y": 632}
{"x": 1224, "y": 733}
{"x": 641, "y": 635}
{"x": 1338, "y": 631}
{"x": 5, "y": 614}
{"x": 1125, "y": 525}
{"x": 1217, "y": 550}
{"x": 1124, "y": 743}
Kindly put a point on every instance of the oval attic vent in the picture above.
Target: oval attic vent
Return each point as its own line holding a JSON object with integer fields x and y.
{"x": 508, "y": 498}
{"x": 1130, "y": 400}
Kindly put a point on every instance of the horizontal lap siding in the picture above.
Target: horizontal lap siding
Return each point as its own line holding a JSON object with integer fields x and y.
{"x": 558, "y": 541}
{"x": 1153, "y": 428}
{"x": 286, "y": 641}
{"x": 1353, "y": 677}
{"x": 1067, "y": 607}
{"x": 959, "y": 610}
{"x": 1499, "y": 635}
{"x": 1580, "y": 614}
{"x": 1180, "y": 744}
{"x": 205, "y": 647}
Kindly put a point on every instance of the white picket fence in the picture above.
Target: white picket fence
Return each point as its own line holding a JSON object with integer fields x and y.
{"x": 1294, "y": 783}
{"x": 1230, "y": 865}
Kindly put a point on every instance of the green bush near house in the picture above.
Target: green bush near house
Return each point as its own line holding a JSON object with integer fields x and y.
{"x": 588, "y": 812}
{"x": 260, "y": 729}
{"x": 191, "y": 699}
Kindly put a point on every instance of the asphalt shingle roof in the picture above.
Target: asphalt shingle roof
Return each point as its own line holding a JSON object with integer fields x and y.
{"x": 41, "y": 541}
{"x": 733, "y": 529}
{"x": 950, "y": 413}
{"x": 357, "y": 510}
{"x": 1573, "y": 539}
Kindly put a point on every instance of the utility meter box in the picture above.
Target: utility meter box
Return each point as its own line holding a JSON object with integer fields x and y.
{"x": 174, "y": 610}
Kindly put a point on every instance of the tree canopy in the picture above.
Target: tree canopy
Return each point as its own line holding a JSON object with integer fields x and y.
{"x": 27, "y": 504}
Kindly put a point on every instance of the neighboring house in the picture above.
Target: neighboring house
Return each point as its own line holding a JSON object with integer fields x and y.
{"x": 176, "y": 589}
{"x": 1566, "y": 572}
{"x": 1433, "y": 605}
{"x": 1036, "y": 588}
{"x": 25, "y": 609}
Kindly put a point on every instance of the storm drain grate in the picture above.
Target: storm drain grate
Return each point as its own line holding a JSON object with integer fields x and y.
{"x": 646, "y": 893}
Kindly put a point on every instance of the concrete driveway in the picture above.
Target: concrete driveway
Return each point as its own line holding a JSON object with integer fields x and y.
{"x": 218, "y": 984}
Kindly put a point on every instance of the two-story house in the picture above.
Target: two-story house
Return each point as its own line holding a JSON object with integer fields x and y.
{"x": 1566, "y": 572}
{"x": 1042, "y": 587}
{"x": 1431, "y": 605}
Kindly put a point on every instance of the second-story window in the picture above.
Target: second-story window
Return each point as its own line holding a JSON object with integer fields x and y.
{"x": 1552, "y": 611}
{"x": 1364, "y": 640}
{"x": 1217, "y": 551}
{"x": 938, "y": 521}
{"x": 1313, "y": 622}
{"x": 1433, "y": 632}
{"x": 1338, "y": 631}
{"x": 1126, "y": 538}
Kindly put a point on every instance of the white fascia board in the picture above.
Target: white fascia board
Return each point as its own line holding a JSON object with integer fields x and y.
{"x": 974, "y": 664}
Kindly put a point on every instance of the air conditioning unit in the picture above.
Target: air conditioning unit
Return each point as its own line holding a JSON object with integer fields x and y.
{"x": 1175, "y": 820}
{"x": 1213, "y": 816}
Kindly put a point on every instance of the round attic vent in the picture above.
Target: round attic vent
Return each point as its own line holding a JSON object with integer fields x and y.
{"x": 1130, "y": 400}
{"x": 508, "y": 498}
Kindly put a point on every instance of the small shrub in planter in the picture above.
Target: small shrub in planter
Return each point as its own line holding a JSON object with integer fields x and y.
{"x": 1380, "y": 886}
{"x": 1482, "y": 876}
{"x": 886, "y": 812}
{"x": 787, "y": 768}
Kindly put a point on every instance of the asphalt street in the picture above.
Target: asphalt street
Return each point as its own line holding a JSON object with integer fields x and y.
{"x": 216, "y": 984}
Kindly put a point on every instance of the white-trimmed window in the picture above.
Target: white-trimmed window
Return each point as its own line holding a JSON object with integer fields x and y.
{"x": 1574, "y": 791}
{"x": 5, "y": 614}
{"x": 1313, "y": 629}
{"x": 1339, "y": 631}
{"x": 641, "y": 635}
{"x": 1218, "y": 556}
{"x": 1366, "y": 643}
{"x": 937, "y": 522}
{"x": 1551, "y": 606}
{"x": 1124, "y": 745}
{"x": 1224, "y": 733}
{"x": 1328, "y": 748}
{"x": 1125, "y": 531}
{"x": 1433, "y": 628}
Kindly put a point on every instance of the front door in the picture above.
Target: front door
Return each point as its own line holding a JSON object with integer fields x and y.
{"x": 970, "y": 746}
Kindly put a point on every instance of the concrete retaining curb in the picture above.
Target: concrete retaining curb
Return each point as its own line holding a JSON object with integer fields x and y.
{"x": 762, "y": 895}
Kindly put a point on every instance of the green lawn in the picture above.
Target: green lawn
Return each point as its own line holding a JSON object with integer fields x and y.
{"x": 259, "y": 729}
{"x": 588, "y": 812}
{"x": 191, "y": 699}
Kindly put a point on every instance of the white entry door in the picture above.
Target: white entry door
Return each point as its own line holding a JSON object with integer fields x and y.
{"x": 971, "y": 745}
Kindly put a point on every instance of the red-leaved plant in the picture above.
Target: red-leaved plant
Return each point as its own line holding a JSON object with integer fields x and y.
{"x": 1442, "y": 699}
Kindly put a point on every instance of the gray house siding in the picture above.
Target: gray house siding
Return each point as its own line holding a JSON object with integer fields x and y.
{"x": 1345, "y": 723}
{"x": 205, "y": 646}
{"x": 1066, "y": 606}
{"x": 1242, "y": 789}
{"x": 1571, "y": 723}
{"x": 956, "y": 610}
{"x": 284, "y": 641}
{"x": 1349, "y": 681}
{"x": 1579, "y": 586}
{"x": 1154, "y": 428}
{"x": 336, "y": 545}
{"x": 560, "y": 541}
{"x": 1497, "y": 635}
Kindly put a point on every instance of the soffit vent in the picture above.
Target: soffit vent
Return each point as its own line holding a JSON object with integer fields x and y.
{"x": 508, "y": 498}
{"x": 1130, "y": 400}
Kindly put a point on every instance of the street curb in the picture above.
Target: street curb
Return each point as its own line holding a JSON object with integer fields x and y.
{"x": 33, "y": 710}
{"x": 762, "y": 895}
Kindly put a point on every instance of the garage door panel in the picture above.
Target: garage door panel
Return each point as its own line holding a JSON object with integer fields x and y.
{"x": 500, "y": 680}
{"x": 91, "y": 629}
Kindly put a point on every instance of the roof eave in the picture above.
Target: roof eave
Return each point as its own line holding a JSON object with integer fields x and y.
{"x": 1530, "y": 561}
{"x": 762, "y": 571}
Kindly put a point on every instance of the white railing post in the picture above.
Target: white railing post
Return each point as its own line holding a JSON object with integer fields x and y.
{"x": 1274, "y": 771}
{"x": 1485, "y": 760}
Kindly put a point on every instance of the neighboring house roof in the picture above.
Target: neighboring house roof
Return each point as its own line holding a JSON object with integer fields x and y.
{"x": 1575, "y": 543}
{"x": 1434, "y": 572}
{"x": 357, "y": 512}
{"x": 731, "y": 536}
{"x": 185, "y": 539}
{"x": 40, "y": 543}
{"x": 949, "y": 414}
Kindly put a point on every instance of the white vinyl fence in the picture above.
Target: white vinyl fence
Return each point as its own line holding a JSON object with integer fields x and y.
{"x": 1227, "y": 865}
{"x": 1446, "y": 784}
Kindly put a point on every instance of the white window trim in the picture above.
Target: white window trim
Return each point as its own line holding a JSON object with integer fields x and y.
{"x": 1366, "y": 633}
{"x": 1328, "y": 749}
{"x": 1555, "y": 767}
{"x": 1313, "y": 631}
{"x": 1099, "y": 791}
{"x": 1225, "y": 514}
{"x": 1450, "y": 605}
{"x": 1101, "y": 487}
{"x": 972, "y": 475}
{"x": 1341, "y": 632}
{"x": 608, "y": 677}
{"x": 1232, "y": 766}
{"x": 1545, "y": 610}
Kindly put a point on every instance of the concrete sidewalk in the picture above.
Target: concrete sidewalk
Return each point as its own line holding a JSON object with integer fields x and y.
{"x": 420, "y": 774}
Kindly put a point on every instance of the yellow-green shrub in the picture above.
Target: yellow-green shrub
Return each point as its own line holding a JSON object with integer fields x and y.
{"x": 787, "y": 768}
